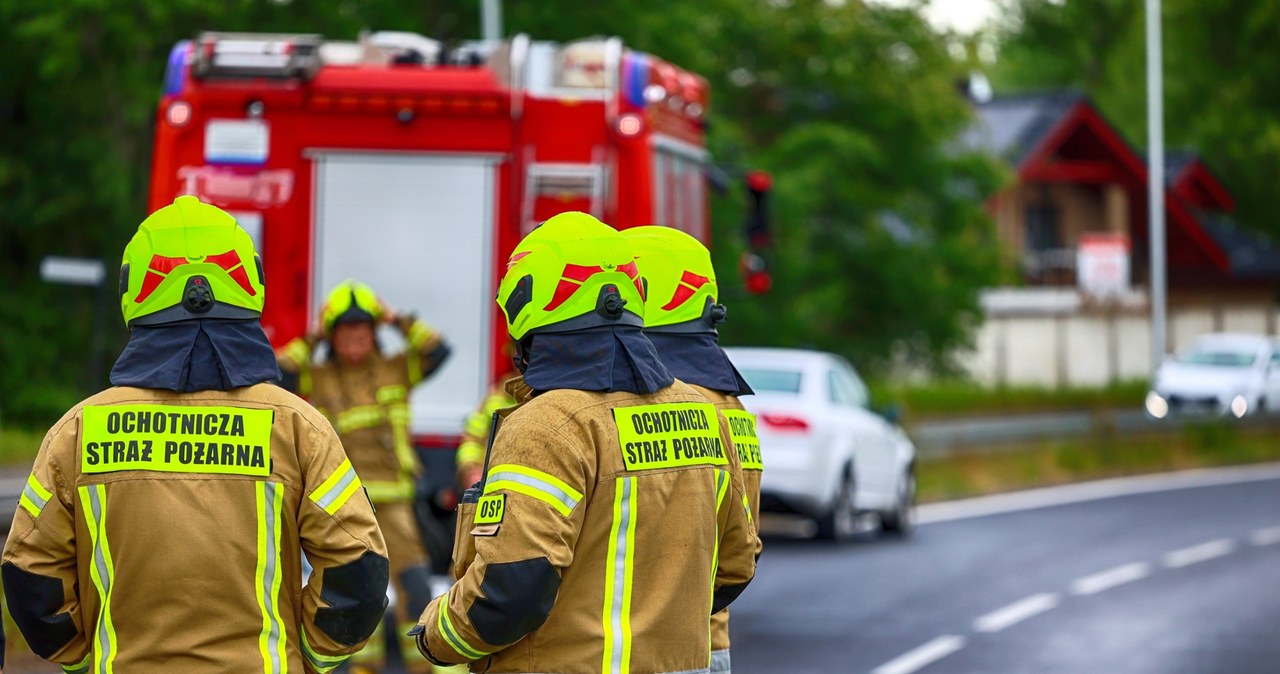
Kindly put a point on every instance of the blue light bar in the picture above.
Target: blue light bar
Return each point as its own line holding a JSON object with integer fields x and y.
{"x": 175, "y": 73}
{"x": 635, "y": 77}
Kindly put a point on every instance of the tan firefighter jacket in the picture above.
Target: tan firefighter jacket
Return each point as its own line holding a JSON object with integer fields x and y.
{"x": 368, "y": 404}
{"x": 611, "y": 527}
{"x": 742, "y": 427}
{"x": 164, "y": 532}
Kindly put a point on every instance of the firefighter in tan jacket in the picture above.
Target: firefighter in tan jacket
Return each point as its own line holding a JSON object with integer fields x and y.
{"x": 680, "y": 319}
{"x": 365, "y": 394}
{"x": 162, "y": 526}
{"x": 610, "y": 524}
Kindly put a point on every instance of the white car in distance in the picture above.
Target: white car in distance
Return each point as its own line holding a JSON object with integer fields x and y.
{"x": 1218, "y": 374}
{"x": 826, "y": 455}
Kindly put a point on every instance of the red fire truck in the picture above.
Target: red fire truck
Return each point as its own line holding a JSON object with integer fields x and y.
{"x": 417, "y": 168}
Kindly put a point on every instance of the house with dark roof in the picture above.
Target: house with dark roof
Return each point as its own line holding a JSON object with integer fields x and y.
{"x": 1076, "y": 174}
{"x": 1075, "y": 178}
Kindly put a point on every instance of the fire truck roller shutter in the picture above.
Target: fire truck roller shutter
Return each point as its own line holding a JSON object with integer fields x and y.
{"x": 419, "y": 229}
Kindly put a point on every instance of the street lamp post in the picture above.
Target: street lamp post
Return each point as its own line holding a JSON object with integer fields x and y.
{"x": 1155, "y": 184}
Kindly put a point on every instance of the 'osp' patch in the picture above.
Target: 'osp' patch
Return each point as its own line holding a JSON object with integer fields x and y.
{"x": 491, "y": 509}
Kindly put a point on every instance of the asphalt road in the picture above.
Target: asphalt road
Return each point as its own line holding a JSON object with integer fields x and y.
{"x": 1165, "y": 574}
{"x": 1172, "y": 580}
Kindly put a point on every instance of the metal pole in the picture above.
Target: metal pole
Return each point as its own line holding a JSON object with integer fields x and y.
{"x": 491, "y": 20}
{"x": 1155, "y": 186}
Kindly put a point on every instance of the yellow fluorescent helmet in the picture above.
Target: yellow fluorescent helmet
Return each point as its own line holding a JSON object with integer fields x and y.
{"x": 678, "y": 275}
{"x": 188, "y": 261}
{"x": 350, "y": 302}
{"x": 572, "y": 272}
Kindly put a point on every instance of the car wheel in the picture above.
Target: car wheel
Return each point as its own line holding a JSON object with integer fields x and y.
{"x": 841, "y": 522}
{"x": 901, "y": 521}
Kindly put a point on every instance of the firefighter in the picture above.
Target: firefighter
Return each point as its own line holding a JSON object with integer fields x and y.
{"x": 610, "y": 522}
{"x": 680, "y": 318}
{"x": 365, "y": 394}
{"x": 475, "y": 434}
{"x": 161, "y": 525}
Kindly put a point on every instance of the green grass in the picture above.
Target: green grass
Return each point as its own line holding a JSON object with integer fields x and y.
{"x": 18, "y": 446}
{"x": 1101, "y": 456}
{"x": 956, "y": 398}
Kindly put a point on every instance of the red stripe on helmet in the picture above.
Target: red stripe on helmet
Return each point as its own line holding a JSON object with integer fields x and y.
{"x": 634, "y": 274}
{"x": 163, "y": 265}
{"x": 149, "y": 284}
{"x": 689, "y": 284}
{"x": 571, "y": 279}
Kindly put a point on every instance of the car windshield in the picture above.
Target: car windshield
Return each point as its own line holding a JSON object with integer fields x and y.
{"x": 1217, "y": 355}
{"x": 776, "y": 381}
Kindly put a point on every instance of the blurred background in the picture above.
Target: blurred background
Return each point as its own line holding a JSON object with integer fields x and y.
{"x": 950, "y": 204}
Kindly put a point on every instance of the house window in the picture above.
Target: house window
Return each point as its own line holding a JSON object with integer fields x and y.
{"x": 1042, "y": 228}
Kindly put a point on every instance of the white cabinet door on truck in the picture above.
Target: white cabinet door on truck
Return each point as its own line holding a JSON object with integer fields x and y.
{"x": 419, "y": 229}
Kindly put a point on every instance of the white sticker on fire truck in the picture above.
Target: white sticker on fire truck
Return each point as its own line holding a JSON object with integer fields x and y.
{"x": 237, "y": 141}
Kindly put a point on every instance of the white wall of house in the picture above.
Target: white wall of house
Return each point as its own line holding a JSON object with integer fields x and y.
{"x": 1054, "y": 337}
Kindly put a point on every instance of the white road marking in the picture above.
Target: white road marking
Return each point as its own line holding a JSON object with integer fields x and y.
{"x": 1262, "y": 537}
{"x": 1199, "y": 553}
{"x": 1015, "y": 613}
{"x": 922, "y": 656}
{"x": 1092, "y": 491}
{"x": 1110, "y": 578}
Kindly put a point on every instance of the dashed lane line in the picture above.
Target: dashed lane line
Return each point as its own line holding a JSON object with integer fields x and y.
{"x": 1016, "y": 612}
{"x": 1261, "y": 537}
{"x": 922, "y": 656}
{"x": 1110, "y": 578}
{"x": 1199, "y": 553}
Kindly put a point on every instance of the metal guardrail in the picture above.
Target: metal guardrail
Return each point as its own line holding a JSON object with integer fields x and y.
{"x": 944, "y": 437}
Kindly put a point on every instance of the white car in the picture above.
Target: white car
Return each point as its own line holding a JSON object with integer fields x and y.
{"x": 1218, "y": 374}
{"x": 827, "y": 456}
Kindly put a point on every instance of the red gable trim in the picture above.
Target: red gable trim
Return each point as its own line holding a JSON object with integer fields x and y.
{"x": 1039, "y": 161}
{"x": 1197, "y": 185}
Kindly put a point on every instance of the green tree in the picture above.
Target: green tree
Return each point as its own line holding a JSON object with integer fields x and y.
{"x": 881, "y": 238}
{"x": 1220, "y": 98}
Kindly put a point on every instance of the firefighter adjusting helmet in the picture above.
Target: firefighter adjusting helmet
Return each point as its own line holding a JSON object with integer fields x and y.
{"x": 350, "y": 302}
{"x": 679, "y": 280}
{"x": 572, "y": 272}
{"x": 189, "y": 261}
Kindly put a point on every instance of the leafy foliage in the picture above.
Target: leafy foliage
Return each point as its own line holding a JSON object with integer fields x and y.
{"x": 881, "y": 236}
{"x": 1218, "y": 57}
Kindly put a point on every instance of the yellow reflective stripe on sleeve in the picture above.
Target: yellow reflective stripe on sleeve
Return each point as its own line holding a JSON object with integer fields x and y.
{"x": 93, "y": 499}
{"x": 445, "y": 624}
{"x": 617, "y": 578}
{"x": 531, "y": 482}
{"x": 477, "y": 425}
{"x": 271, "y": 640}
{"x": 298, "y": 352}
{"x": 337, "y": 488}
{"x": 746, "y": 506}
{"x": 469, "y": 451}
{"x": 81, "y": 667}
{"x": 394, "y": 393}
{"x": 176, "y": 439}
{"x": 358, "y": 418}
{"x": 322, "y": 663}
{"x": 419, "y": 334}
{"x": 34, "y": 496}
{"x": 389, "y": 492}
{"x": 670, "y": 435}
{"x": 374, "y": 650}
{"x": 722, "y": 487}
{"x": 409, "y": 647}
{"x": 742, "y": 429}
